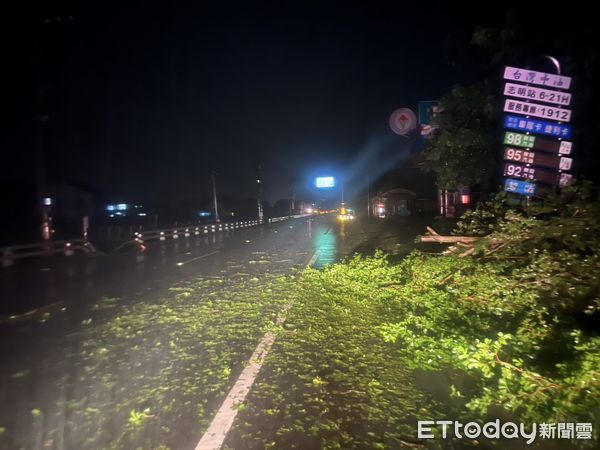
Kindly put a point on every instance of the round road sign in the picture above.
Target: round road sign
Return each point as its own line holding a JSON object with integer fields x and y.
{"x": 403, "y": 121}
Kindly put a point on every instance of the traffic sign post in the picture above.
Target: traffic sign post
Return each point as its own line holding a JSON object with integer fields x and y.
{"x": 536, "y": 126}
{"x": 428, "y": 111}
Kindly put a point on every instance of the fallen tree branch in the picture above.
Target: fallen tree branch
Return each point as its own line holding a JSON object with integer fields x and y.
{"x": 462, "y": 244}
{"x": 449, "y": 239}
{"x": 466, "y": 253}
{"x": 495, "y": 249}
{"x": 540, "y": 380}
{"x": 434, "y": 236}
{"x": 432, "y": 231}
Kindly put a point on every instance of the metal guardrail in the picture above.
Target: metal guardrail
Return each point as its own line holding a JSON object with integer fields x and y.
{"x": 279, "y": 219}
{"x": 176, "y": 233}
{"x": 8, "y": 255}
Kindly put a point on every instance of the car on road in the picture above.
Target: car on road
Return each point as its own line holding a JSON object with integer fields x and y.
{"x": 346, "y": 214}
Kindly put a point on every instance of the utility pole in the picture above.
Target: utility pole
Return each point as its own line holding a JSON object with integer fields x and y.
{"x": 44, "y": 201}
{"x": 260, "y": 205}
{"x": 216, "y": 206}
{"x": 45, "y": 40}
{"x": 293, "y": 201}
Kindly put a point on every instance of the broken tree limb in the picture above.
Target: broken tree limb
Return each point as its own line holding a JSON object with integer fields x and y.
{"x": 466, "y": 253}
{"x": 495, "y": 249}
{"x": 434, "y": 236}
{"x": 449, "y": 239}
{"x": 432, "y": 231}
{"x": 462, "y": 244}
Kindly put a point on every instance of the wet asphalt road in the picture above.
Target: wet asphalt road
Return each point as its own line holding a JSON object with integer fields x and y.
{"x": 81, "y": 279}
{"x": 69, "y": 288}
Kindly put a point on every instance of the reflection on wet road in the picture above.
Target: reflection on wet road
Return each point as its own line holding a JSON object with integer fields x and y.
{"x": 32, "y": 284}
{"x": 326, "y": 246}
{"x": 80, "y": 279}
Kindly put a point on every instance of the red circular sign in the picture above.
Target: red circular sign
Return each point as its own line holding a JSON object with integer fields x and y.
{"x": 403, "y": 121}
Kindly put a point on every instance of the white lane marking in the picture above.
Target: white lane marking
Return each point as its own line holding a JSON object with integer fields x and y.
{"x": 313, "y": 259}
{"x": 197, "y": 258}
{"x": 214, "y": 436}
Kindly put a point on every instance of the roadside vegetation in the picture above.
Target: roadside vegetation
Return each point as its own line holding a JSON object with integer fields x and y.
{"x": 510, "y": 332}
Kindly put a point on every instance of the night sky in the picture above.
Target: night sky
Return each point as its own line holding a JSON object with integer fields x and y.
{"x": 146, "y": 102}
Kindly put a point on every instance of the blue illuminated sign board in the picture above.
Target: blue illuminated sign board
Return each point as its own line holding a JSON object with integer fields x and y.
{"x": 519, "y": 187}
{"x": 538, "y": 126}
{"x": 325, "y": 182}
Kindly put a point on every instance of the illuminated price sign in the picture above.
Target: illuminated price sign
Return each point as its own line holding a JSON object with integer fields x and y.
{"x": 529, "y": 173}
{"x": 538, "y": 159}
{"x": 535, "y": 120}
{"x": 538, "y": 126}
{"x": 518, "y": 139}
{"x": 519, "y": 187}
{"x": 537, "y": 110}
{"x": 537, "y": 94}
{"x": 518, "y": 171}
{"x": 513, "y": 154}
{"x": 538, "y": 143}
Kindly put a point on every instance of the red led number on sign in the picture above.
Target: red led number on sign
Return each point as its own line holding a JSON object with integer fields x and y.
{"x": 519, "y": 155}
